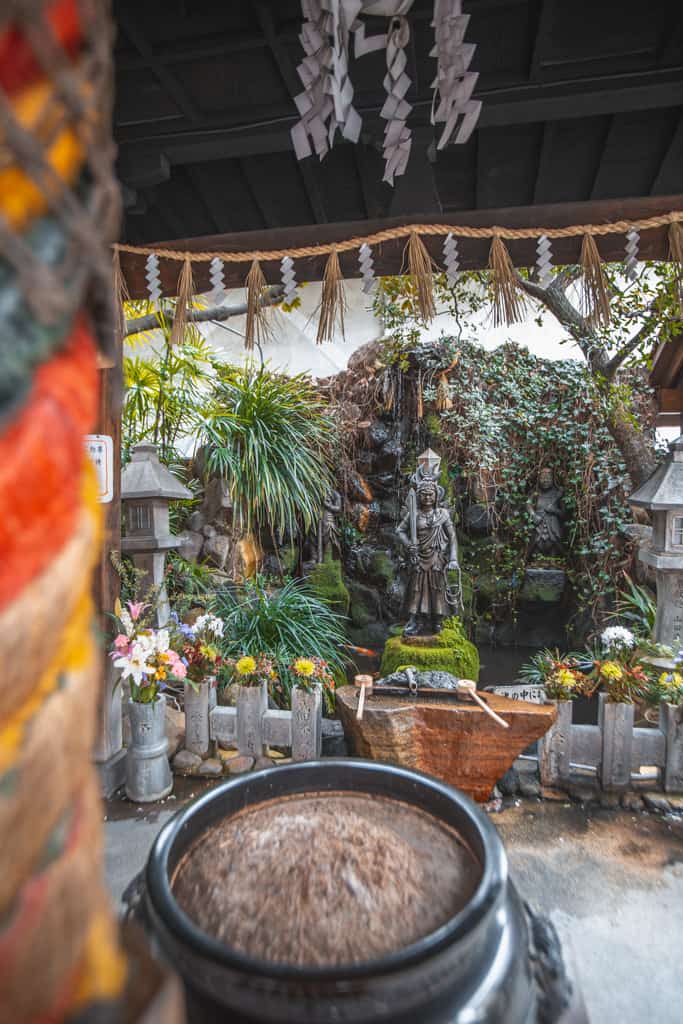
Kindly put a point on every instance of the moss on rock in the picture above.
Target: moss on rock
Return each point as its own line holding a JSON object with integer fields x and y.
{"x": 381, "y": 568}
{"x": 452, "y": 652}
{"x": 327, "y": 583}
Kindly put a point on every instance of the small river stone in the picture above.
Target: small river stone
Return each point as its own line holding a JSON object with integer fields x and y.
{"x": 263, "y": 762}
{"x": 186, "y": 762}
{"x": 655, "y": 801}
{"x": 241, "y": 764}
{"x": 211, "y": 767}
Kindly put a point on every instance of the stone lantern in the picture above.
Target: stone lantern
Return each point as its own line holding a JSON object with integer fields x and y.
{"x": 662, "y": 496}
{"x": 147, "y": 487}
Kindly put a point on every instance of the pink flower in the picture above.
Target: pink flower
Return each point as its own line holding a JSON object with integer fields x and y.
{"x": 121, "y": 642}
{"x": 135, "y": 608}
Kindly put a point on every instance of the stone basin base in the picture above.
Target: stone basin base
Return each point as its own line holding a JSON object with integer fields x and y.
{"x": 454, "y": 741}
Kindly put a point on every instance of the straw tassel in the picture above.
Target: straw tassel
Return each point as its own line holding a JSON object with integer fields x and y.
{"x": 444, "y": 402}
{"x": 420, "y": 268}
{"x": 121, "y": 293}
{"x": 256, "y": 329}
{"x": 676, "y": 256}
{"x": 183, "y": 302}
{"x": 509, "y": 305}
{"x": 594, "y": 297}
{"x": 332, "y": 300}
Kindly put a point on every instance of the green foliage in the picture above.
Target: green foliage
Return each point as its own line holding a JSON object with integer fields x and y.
{"x": 268, "y": 436}
{"x": 452, "y": 652}
{"x": 188, "y": 584}
{"x": 513, "y": 414}
{"x": 636, "y": 608}
{"x": 166, "y": 393}
{"x": 327, "y": 583}
{"x": 285, "y": 624}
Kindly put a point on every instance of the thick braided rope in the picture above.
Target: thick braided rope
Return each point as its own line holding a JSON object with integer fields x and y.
{"x": 403, "y": 231}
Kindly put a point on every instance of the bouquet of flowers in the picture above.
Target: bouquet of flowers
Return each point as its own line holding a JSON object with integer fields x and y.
{"x": 670, "y": 685}
{"x": 621, "y": 672}
{"x": 144, "y": 654}
{"x": 562, "y": 676}
{"x": 250, "y": 671}
{"x": 309, "y": 673}
{"x": 199, "y": 644}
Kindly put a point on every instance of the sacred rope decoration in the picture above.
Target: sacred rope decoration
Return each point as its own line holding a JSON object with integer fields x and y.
{"x": 326, "y": 104}
{"x": 509, "y": 303}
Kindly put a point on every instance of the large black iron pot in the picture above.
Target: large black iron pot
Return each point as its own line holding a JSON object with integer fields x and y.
{"x": 475, "y": 968}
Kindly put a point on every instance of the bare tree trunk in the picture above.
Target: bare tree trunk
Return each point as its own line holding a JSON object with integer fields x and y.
{"x": 633, "y": 443}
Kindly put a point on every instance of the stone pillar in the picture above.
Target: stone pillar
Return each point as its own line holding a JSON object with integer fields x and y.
{"x": 110, "y": 754}
{"x": 555, "y": 746}
{"x": 671, "y": 724}
{"x": 617, "y": 739}
{"x": 197, "y": 710}
{"x": 306, "y": 724}
{"x": 252, "y": 704}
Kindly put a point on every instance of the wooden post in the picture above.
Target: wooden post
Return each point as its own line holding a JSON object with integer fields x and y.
{"x": 671, "y": 724}
{"x": 307, "y": 724}
{"x": 109, "y": 752}
{"x": 252, "y": 704}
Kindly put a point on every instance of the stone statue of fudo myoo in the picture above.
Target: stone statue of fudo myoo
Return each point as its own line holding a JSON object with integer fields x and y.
{"x": 427, "y": 532}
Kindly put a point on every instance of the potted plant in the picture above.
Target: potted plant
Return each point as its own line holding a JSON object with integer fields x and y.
{"x": 254, "y": 675}
{"x": 147, "y": 660}
{"x": 199, "y": 645}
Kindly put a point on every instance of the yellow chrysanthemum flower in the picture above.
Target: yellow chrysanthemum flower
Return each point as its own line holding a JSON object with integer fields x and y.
{"x": 565, "y": 677}
{"x": 304, "y": 667}
{"x": 245, "y": 666}
{"x": 610, "y": 670}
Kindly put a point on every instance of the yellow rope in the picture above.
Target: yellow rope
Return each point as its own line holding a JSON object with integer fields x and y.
{"x": 403, "y": 231}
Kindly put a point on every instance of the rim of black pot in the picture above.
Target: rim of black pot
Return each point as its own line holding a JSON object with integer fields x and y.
{"x": 494, "y": 872}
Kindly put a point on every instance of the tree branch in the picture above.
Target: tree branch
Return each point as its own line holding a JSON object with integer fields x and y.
{"x": 628, "y": 347}
{"x": 271, "y": 297}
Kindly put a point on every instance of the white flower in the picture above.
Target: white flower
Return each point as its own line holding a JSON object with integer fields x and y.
{"x": 209, "y": 624}
{"x": 162, "y": 640}
{"x": 127, "y": 622}
{"x": 135, "y": 663}
{"x": 616, "y": 637}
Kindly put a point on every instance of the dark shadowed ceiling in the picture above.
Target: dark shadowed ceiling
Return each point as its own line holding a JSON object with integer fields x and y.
{"x": 581, "y": 100}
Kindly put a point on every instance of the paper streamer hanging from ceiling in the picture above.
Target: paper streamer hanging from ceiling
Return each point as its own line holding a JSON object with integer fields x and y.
{"x": 326, "y": 104}
{"x": 453, "y": 105}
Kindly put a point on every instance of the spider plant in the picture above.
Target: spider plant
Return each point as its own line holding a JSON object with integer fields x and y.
{"x": 285, "y": 624}
{"x": 269, "y": 438}
{"x": 636, "y": 607}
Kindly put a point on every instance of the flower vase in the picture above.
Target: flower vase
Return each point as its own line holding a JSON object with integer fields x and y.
{"x": 198, "y": 707}
{"x": 554, "y": 747}
{"x": 148, "y": 774}
{"x": 252, "y": 704}
{"x": 307, "y": 723}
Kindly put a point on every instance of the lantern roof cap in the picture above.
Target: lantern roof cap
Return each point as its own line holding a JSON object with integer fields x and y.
{"x": 664, "y": 489}
{"x": 146, "y": 477}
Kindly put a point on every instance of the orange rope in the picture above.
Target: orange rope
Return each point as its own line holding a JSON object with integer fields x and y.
{"x": 391, "y": 234}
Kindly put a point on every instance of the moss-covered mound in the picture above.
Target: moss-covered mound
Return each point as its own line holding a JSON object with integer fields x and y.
{"x": 327, "y": 583}
{"x": 452, "y": 652}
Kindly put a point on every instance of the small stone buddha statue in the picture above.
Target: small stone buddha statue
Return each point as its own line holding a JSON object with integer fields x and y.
{"x": 548, "y": 515}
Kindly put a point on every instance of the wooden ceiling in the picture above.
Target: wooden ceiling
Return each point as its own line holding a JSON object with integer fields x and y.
{"x": 581, "y": 101}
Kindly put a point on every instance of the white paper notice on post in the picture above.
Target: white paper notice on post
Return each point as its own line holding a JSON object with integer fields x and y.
{"x": 100, "y": 450}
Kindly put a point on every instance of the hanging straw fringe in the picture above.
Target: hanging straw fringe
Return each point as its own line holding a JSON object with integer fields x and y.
{"x": 183, "y": 302}
{"x": 676, "y": 256}
{"x": 444, "y": 402}
{"x": 509, "y": 305}
{"x": 332, "y": 300}
{"x": 256, "y": 329}
{"x": 420, "y": 269}
{"x": 121, "y": 293}
{"x": 594, "y": 297}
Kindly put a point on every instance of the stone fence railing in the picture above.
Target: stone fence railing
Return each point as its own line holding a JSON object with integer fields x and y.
{"x": 613, "y": 747}
{"x": 251, "y": 726}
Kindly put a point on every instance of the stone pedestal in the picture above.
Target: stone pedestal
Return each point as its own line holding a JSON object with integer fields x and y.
{"x": 543, "y": 586}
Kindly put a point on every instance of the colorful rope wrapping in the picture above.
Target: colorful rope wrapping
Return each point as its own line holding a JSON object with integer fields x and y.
{"x": 41, "y": 457}
{"x": 59, "y": 206}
